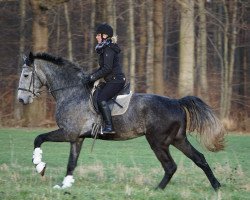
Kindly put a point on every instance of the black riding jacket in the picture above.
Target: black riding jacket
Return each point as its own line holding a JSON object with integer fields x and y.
{"x": 110, "y": 68}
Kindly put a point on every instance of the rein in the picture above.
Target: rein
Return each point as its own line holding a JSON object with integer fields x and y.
{"x": 62, "y": 88}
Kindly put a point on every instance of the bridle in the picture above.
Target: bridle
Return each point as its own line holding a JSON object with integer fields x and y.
{"x": 32, "y": 82}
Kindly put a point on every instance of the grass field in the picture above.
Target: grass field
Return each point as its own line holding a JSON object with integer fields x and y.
{"x": 118, "y": 170}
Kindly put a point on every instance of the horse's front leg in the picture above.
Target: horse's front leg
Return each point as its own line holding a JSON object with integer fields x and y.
{"x": 54, "y": 136}
{"x": 75, "y": 150}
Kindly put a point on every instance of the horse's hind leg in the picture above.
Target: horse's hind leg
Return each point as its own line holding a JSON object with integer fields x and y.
{"x": 198, "y": 158}
{"x": 162, "y": 153}
{"x": 75, "y": 150}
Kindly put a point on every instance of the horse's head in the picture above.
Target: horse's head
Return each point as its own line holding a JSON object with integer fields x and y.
{"x": 29, "y": 83}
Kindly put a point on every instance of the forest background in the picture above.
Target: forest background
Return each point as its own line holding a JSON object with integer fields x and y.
{"x": 169, "y": 47}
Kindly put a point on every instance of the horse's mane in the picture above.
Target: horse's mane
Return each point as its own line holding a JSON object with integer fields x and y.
{"x": 50, "y": 58}
{"x": 54, "y": 59}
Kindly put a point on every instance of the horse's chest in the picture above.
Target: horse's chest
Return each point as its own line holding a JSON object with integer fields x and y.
{"x": 67, "y": 112}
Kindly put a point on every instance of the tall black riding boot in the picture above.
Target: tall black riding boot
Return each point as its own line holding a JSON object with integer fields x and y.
{"x": 106, "y": 114}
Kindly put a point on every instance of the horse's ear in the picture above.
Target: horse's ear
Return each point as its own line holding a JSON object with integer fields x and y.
{"x": 31, "y": 58}
{"x": 24, "y": 57}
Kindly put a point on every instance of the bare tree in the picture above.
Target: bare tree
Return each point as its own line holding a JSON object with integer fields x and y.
{"x": 202, "y": 51}
{"x": 111, "y": 14}
{"x": 230, "y": 7}
{"x": 132, "y": 45}
{"x": 150, "y": 48}
{"x": 126, "y": 43}
{"x": 39, "y": 27}
{"x": 186, "y": 73}
{"x": 35, "y": 113}
{"x": 18, "y": 109}
{"x": 142, "y": 47}
{"x": 69, "y": 34}
{"x": 158, "y": 47}
{"x": 92, "y": 28}
{"x": 58, "y": 31}
{"x": 48, "y": 4}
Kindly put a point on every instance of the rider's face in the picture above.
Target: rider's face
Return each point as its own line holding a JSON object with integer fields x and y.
{"x": 99, "y": 37}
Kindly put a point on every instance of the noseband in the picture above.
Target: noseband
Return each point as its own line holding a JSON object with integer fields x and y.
{"x": 32, "y": 83}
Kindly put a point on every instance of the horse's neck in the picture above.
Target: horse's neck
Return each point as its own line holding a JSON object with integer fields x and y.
{"x": 62, "y": 84}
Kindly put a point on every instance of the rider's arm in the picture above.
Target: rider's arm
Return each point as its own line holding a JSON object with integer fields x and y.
{"x": 108, "y": 59}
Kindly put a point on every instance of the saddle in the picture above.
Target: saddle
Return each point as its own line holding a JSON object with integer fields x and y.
{"x": 118, "y": 104}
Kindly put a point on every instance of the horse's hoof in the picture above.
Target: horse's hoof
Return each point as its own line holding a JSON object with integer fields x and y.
{"x": 67, "y": 181}
{"x": 62, "y": 187}
{"x": 40, "y": 168}
{"x": 43, "y": 171}
{"x": 57, "y": 187}
{"x": 159, "y": 188}
{"x": 216, "y": 186}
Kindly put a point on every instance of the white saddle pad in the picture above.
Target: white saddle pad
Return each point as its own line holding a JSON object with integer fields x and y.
{"x": 123, "y": 100}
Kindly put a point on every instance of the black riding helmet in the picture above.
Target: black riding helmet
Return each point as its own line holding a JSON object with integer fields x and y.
{"x": 105, "y": 28}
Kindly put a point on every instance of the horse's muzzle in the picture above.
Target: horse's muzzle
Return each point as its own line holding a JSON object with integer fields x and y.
{"x": 25, "y": 101}
{"x": 21, "y": 100}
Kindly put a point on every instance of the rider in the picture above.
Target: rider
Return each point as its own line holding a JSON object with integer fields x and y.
{"x": 110, "y": 69}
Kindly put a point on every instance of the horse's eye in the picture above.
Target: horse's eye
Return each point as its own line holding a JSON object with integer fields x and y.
{"x": 25, "y": 75}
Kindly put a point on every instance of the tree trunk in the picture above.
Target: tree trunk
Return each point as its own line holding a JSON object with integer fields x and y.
{"x": 39, "y": 27}
{"x": 92, "y": 36}
{"x": 228, "y": 65}
{"x": 69, "y": 35}
{"x": 158, "y": 48}
{"x": 202, "y": 62}
{"x": 132, "y": 45}
{"x": 186, "y": 73}
{"x": 142, "y": 50}
{"x": 245, "y": 89}
{"x": 111, "y": 14}
{"x": 100, "y": 11}
{"x": 35, "y": 113}
{"x": 165, "y": 41}
{"x": 232, "y": 56}
{"x": 114, "y": 17}
{"x": 48, "y": 4}
{"x": 125, "y": 51}
{"x": 150, "y": 48}
{"x": 58, "y": 31}
{"x": 18, "y": 108}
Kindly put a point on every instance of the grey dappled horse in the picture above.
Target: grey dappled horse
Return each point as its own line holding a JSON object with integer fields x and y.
{"x": 162, "y": 120}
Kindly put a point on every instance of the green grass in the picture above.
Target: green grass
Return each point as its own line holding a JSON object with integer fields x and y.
{"x": 118, "y": 170}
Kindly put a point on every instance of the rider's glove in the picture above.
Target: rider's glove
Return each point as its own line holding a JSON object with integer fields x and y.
{"x": 86, "y": 79}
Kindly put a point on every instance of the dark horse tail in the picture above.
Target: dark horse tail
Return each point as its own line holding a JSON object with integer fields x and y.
{"x": 203, "y": 120}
